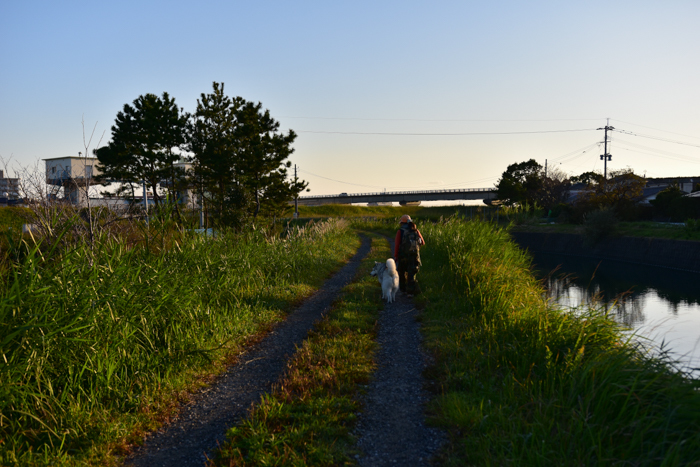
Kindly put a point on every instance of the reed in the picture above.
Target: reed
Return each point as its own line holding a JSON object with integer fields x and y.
{"x": 523, "y": 383}
{"x": 99, "y": 338}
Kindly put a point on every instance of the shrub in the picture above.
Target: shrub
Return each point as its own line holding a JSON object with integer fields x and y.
{"x": 692, "y": 226}
{"x": 599, "y": 225}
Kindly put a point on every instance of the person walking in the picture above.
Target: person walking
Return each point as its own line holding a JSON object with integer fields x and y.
{"x": 407, "y": 254}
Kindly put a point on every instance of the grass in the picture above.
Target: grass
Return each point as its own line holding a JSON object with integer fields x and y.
{"x": 308, "y": 418}
{"x": 422, "y": 213}
{"x": 98, "y": 345}
{"x": 525, "y": 384}
{"x": 11, "y": 221}
{"x": 13, "y": 217}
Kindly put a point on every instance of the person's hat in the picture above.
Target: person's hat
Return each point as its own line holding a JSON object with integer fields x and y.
{"x": 405, "y": 218}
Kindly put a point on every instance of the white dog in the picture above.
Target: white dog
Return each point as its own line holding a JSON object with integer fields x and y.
{"x": 388, "y": 277}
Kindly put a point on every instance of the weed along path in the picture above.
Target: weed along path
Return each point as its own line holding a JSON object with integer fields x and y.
{"x": 201, "y": 425}
{"x": 391, "y": 429}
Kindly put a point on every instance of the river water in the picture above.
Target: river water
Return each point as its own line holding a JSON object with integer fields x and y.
{"x": 660, "y": 307}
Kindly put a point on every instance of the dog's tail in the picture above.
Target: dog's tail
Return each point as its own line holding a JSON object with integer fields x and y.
{"x": 391, "y": 265}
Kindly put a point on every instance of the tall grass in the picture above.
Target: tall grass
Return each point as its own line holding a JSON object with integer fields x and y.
{"x": 525, "y": 384}
{"x": 96, "y": 338}
{"x": 422, "y": 213}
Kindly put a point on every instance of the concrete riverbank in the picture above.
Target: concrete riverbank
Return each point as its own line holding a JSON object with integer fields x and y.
{"x": 680, "y": 255}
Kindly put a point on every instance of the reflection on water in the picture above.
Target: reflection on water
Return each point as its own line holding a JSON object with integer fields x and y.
{"x": 657, "y": 304}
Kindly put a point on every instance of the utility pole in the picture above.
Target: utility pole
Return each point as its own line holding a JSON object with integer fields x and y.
{"x": 606, "y": 157}
{"x": 296, "y": 196}
{"x": 145, "y": 200}
{"x": 545, "y": 168}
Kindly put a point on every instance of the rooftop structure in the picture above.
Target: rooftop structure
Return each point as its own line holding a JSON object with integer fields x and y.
{"x": 74, "y": 174}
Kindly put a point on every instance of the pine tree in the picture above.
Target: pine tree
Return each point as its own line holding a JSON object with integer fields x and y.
{"x": 240, "y": 158}
{"x": 263, "y": 160}
{"x": 146, "y": 140}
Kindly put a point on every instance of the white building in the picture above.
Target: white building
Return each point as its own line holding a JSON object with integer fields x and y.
{"x": 74, "y": 174}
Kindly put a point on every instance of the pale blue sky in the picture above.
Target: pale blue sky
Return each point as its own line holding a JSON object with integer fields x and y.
{"x": 372, "y": 67}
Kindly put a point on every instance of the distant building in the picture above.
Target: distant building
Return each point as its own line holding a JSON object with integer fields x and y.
{"x": 9, "y": 187}
{"x": 73, "y": 174}
{"x": 686, "y": 184}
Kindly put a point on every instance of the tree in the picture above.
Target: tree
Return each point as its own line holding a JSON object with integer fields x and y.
{"x": 240, "y": 158}
{"x": 520, "y": 183}
{"x": 588, "y": 178}
{"x": 674, "y": 204}
{"x": 623, "y": 188}
{"x": 213, "y": 141}
{"x": 554, "y": 190}
{"x": 146, "y": 140}
{"x": 621, "y": 191}
{"x": 263, "y": 164}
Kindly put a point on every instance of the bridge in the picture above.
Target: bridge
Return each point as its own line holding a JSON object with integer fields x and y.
{"x": 402, "y": 197}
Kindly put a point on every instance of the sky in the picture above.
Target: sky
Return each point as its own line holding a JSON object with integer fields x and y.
{"x": 384, "y": 95}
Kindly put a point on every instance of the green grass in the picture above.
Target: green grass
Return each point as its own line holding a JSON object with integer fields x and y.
{"x": 11, "y": 221}
{"x": 13, "y": 217}
{"x": 307, "y": 420}
{"x": 524, "y": 384}
{"x": 98, "y": 345}
{"x": 420, "y": 213}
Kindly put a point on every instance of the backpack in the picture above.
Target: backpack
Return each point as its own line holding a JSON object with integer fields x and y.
{"x": 410, "y": 244}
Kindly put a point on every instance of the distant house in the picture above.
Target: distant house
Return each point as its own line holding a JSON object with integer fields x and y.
{"x": 653, "y": 187}
{"x": 649, "y": 193}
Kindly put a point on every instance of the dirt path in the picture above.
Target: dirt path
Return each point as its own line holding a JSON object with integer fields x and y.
{"x": 202, "y": 424}
{"x": 391, "y": 428}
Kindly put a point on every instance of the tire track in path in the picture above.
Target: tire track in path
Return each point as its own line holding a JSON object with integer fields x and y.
{"x": 391, "y": 429}
{"x": 201, "y": 425}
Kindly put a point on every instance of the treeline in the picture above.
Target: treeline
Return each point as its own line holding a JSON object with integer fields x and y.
{"x": 573, "y": 198}
{"x": 238, "y": 157}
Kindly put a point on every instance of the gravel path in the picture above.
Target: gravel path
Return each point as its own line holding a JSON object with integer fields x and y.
{"x": 201, "y": 425}
{"x": 391, "y": 428}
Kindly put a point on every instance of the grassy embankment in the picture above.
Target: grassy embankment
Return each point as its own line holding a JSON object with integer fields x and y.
{"x": 388, "y": 212}
{"x": 525, "y": 384}
{"x": 307, "y": 419}
{"x": 524, "y": 221}
{"x": 98, "y": 345}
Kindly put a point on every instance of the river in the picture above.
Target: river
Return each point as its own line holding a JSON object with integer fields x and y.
{"x": 658, "y": 306}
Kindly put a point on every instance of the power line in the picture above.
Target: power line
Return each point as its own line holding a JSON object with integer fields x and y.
{"x": 657, "y": 153}
{"x": 657, "y": 129}
{"x": 442, "y": 134}
{"x": 637, "y": 151}
{"x": 625, "y": 132}
{"x": 398, "y": 187}
{"x": 577, "y": 152}
{"x": 445, "y": 120}
{"x": 584, "y": 162}
{"x": 337, "y": 181}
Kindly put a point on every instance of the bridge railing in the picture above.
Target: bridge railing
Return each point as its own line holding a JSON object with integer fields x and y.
{"x": 379, "y": 193}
